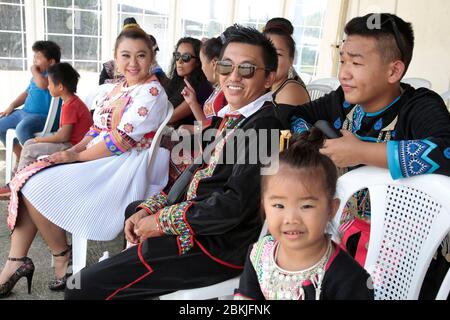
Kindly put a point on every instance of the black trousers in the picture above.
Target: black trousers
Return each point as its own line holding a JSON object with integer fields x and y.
{"x": 148, "y": 270}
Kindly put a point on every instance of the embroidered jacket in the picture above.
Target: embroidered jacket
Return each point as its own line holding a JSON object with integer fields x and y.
{"x": 416, "y": 127}
{"x": 220, "y": 213}
{"x": 344, "y": 279}
{"x": 128, "y": 117}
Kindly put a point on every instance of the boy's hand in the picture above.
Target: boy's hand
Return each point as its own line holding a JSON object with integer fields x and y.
{"x": 343, "y": 151}
{"x": 7, "y": 111}
{"x": 34, "y": 68}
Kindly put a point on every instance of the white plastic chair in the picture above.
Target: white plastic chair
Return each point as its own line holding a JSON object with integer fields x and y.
{"x": 11, "y": 136}
{"x": 79, "y": 244}
{"x": 223, "y": 290}
{"x": 409, "y": 219}
{"x": 446, "y": 97}
{"x": 332, "y": 82}
{"x": 318, "y": 90}
{"x": 91, "y": 99}
{"x": 417, "y": 83}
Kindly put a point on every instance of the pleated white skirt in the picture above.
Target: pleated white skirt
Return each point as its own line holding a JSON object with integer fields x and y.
{"x": 89, "y": 198}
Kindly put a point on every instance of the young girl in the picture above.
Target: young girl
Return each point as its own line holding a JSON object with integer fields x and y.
{"x": 298, "y": 261}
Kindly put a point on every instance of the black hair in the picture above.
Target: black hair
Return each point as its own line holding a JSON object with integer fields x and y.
{"x": 240, "y": 34}
{"x": 195, "y": 78}
{"x": 303, "y": 154}
{"x": 155, "y": 44}
{"x": 129, "y": 20}
{"x": 282, "y": 27}
{"x": 63, "y": 73}
{"x": 135, "y": 33}
{"x": 212, "y": 48}
{"x": 49, "y": 49}
{"x": 382, "y": 27}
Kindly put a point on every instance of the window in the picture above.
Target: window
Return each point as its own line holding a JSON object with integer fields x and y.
{"x": 256, "y": 13}
{"x": 153, "y": 17}
{"x": 208, "y": 22}
{"x": 308, "y": 19}
{"x": 76, "y": 26}
{"x": 13, "y": 42}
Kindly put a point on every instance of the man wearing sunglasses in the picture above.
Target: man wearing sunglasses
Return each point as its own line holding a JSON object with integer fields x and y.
{"x": 384, "y": 122}
{"x": 203, "y": 238}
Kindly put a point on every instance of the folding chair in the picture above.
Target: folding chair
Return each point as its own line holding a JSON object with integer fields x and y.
{"x": 446, "y": 97}
{"x": 79, "y": 244}
{"x": 409, "y": 220}
{"x": 332, "y": 82}
{"x": 417, "y": 83}
{"x": 11, "y": 136}
{"x": 317, "y": 91}
{"x": 223, "y": 290}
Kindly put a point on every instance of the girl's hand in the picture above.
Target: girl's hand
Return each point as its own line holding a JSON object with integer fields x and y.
{"x": 67, "y": 156}
{"x": 189, "y": 94}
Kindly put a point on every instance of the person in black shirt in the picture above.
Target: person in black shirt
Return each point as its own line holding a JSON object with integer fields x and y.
{"x": 385, "y": 123}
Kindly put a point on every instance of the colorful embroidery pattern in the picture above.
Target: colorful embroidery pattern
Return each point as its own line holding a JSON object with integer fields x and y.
{"x": 227, "y": 122}
{"x": 155, "y": 203}
{"x": 93, "y": 132}
{"x": 143, "y": 111}
{"x": 358, "y": 116}
{"x": 299, "y": 126}
{"x": 172, "y": 221}
{"x": 128, "y": 128}
{"x": 413, "y": 157}
{"x": 111, "y": 146}
{"x": 154, "y": 91}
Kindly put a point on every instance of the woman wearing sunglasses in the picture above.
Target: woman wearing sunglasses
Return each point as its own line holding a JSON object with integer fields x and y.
{"x": 288, "y": 87}
{"x": 186, "y": 65}
{"x": 209, "y": 55}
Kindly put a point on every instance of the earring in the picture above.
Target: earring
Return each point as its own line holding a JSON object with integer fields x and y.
{"x": 291, "y": 73}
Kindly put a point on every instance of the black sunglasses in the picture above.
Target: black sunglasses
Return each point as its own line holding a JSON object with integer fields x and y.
{"x": 245, "y": 70}
{"x": 185, "y": 57}
{"x": 397, "y": 36}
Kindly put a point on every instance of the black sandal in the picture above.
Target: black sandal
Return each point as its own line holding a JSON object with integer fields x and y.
{"x": 60, "y": 284}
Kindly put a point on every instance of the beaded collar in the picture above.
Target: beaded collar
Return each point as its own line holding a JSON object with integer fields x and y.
{"x": 288, "y": 285}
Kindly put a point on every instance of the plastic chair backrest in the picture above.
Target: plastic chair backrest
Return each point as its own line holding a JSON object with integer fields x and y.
{"x": 218, "y": 290}
{"x": 417, "y": 83}
{"x": 52, "y": 112}
{"x": 157, "y": 138}
{"x": 446, "y": 97}
{"x": 317, "y": 91}
{"x": 409, "y": 219}
{"x": 91, "y": 99}
{"x": 332, "y": 82}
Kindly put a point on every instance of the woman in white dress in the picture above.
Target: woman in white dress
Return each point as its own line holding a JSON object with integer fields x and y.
{"x": 101, "y": 175}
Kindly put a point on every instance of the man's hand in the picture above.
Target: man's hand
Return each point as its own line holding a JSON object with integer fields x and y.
{"x": 64, "y": 157}
{"x": 147, "y": 228}
{"x": 131, "y": 224}
{"x": 344, "y": 151}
